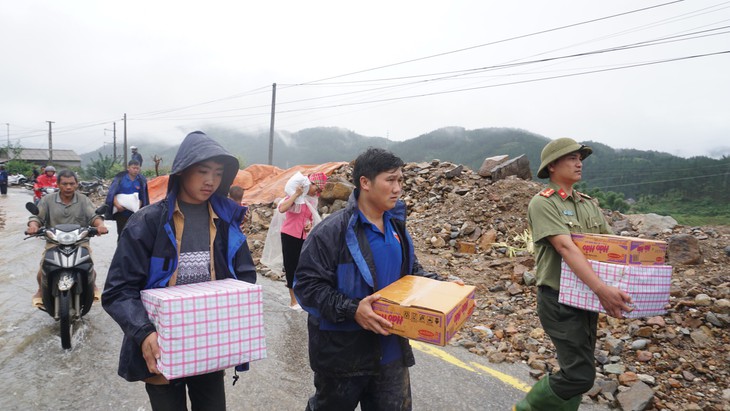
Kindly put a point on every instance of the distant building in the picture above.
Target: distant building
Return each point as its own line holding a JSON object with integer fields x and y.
{"x": 39, "y": 157}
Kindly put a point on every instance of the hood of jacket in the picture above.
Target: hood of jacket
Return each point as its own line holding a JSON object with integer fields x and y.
{"x": 198, "y": 147}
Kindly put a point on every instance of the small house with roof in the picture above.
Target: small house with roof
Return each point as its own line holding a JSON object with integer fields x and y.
{"x": 41, "y": 158}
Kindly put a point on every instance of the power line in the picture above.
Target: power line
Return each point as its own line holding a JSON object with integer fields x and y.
{"x": 661, "y": 181}
{"x": 495, "y": 42}
{"x": 258, "y": 90}
{"x": 264, "y": 89}
{"x": 517, "y": 82}
{"x": 470, "y": 71}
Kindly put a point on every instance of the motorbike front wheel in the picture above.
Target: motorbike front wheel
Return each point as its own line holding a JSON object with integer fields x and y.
{"x": 64, "y": 305}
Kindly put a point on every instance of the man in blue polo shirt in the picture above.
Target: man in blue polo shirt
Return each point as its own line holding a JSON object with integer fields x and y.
{"x": 345, "y": 260}
{"x": 126, "y": 182}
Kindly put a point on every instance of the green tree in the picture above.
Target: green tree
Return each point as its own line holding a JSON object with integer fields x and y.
{"x": 610, "y": 200}
{"x": 103, "y": 167}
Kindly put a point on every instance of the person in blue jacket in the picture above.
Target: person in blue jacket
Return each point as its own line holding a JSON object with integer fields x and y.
{"x": 164, "y": 244}
{"x": 345, "y": 260}
{"x": 129, "y": 181}
{"x": 3, "y": 180}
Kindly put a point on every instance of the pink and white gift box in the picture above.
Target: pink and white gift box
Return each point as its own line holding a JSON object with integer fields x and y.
{"x": 647, "y": 285}
{"x": 206, "y": 327}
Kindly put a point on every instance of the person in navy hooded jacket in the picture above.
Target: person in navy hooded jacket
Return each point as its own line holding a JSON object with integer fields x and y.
{"x": 164, "y": 244}
{"x": 345, "y": 260}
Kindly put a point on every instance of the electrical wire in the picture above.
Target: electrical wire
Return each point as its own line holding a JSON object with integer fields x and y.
{"x": 660, "y": 181}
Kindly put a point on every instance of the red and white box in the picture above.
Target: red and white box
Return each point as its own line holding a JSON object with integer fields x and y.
{"x": 648, "y": 286}
{"x": 206, "y": 327}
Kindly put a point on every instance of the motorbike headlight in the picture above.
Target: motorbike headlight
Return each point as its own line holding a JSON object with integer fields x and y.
{"x": 66, "y": 238}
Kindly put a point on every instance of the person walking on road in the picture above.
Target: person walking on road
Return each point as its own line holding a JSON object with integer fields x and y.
{"x": 162, "y": 246}
{"x": 3, "y": 180}
{"x": 300, "y": 210}
{"x": 136, "y": 156}
{"x": 127, "y": 183}
{"x": 345, "y": 260}
{"x": 553, "y": 214}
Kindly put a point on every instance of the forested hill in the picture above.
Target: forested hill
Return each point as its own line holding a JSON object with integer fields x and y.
{"x": 693, "y": 190}
{"x": 632, "y": 172}
{"x": 649, "y": 175}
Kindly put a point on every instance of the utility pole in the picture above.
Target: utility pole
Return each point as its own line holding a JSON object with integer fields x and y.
{"x": 8, "y": 124}
{"x": 114, "y": 139}
{"x": 125, "y": 140}
{"x": 271, "y": 128}
{"x": 50, "y": 142}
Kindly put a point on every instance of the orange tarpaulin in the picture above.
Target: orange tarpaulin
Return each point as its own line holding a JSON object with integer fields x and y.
{"x": 261, "y": 183}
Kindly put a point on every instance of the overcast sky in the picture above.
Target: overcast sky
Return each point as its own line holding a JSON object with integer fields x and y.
{"x": 393, "y": 69}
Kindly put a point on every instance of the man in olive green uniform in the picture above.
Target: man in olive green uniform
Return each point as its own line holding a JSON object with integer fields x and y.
{"x": 553, "y": 214}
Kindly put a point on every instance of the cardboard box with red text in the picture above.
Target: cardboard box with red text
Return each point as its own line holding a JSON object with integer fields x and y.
{"x": 621, "y": 250}
{"x": 424, "y": 309}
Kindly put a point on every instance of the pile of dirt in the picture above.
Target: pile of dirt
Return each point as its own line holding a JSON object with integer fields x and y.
{"x": 470, "y": 227}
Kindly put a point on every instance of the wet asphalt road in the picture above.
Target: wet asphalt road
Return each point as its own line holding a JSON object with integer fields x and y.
{"x": 37, "y": 374}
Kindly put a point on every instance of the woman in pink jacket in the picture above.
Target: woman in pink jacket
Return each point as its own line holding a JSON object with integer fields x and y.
{"x": 296, "y": 226}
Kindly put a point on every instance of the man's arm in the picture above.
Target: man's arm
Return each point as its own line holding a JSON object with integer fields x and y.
{"x": 614, "y": 301}
{"x": 35, "y": 222}
{"x": 315, "y": 283}
{"x": 127, "y": 276}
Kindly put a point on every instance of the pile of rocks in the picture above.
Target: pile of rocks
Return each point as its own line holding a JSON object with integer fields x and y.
{"x": 472, "y": 227}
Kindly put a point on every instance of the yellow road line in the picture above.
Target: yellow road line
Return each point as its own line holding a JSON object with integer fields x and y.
{"x": 439, "y": 353}
{"x": 507, "y": 379}
{"x": 443, "y": 355}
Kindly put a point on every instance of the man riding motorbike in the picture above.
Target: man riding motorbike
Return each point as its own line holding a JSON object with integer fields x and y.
{"x": 66, "y": 206}
{"x": 47, "y": 179}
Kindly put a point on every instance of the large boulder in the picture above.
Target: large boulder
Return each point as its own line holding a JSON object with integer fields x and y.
{"x": 684, "y": 249}
{"x": 336, "y": 190}
{"x": 489, "y": 163}
{"x": 651, "y": 223}
{"x": 519, "y": 167}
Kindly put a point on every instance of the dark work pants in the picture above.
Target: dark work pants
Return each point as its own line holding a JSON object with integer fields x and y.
{"x": 573, "y": 332}
{"x": 121, "y": 219}
{"x": 207, "y": 393}
{"x": 389, "y": 391}
{"x": 3, "y": 188}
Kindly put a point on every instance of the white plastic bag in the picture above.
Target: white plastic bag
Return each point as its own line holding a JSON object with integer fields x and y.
{"x": 297, "y": 180}
{"x": 272, "y": 256}
{"x": 128, "y": 201}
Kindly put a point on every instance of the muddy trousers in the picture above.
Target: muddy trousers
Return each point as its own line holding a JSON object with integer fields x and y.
{"x": 573, "y": 332}
{"x": 207, "y": 393}
{"x": 389, "y": 391}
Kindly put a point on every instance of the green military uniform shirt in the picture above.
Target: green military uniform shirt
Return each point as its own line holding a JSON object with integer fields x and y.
{"x": 554, "y": 212}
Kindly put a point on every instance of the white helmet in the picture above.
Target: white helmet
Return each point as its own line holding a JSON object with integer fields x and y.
{"x": 50, "y": 168}
{"x": 132, "y": 147}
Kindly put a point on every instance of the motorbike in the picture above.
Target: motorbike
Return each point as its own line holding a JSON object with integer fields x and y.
{"x": 67, "y": 284}
{"x": 93, "y": 187}
{"x": 43, "y": 191}
{"x": 17, "y": 179}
